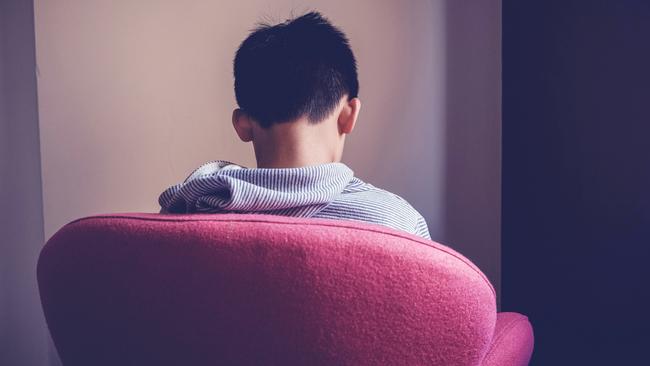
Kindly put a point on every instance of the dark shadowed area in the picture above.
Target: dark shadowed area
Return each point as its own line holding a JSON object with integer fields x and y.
{"x": 23, "y": 336}
{"x": 576, "y": 178}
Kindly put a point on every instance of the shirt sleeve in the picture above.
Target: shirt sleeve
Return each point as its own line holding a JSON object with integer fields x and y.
{"x": 421, "y": 228}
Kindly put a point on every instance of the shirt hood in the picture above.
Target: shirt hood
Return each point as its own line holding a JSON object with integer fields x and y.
{"x": 221, "y": 186}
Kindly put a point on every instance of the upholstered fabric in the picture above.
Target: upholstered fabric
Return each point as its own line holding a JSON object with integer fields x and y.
{"x": 512, "y": 343}
{"x": 150, "y": 289}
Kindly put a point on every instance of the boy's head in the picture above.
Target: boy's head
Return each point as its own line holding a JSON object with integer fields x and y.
{"x": 294, "y": 78}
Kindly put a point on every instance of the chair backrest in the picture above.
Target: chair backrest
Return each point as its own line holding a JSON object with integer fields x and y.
{"x": 150, "y": 289}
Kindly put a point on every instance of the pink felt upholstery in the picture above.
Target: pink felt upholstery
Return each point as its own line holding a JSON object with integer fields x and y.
{"x": 149, "y": 289}
{"x": 512, "y": 343}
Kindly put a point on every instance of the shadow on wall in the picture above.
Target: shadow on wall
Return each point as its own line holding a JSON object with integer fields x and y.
{"x": 473, "y": 134}
{"x": 23, "y": 334}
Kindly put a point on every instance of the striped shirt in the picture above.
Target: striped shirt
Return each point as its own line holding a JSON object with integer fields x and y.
{"x": 329, "y": 191}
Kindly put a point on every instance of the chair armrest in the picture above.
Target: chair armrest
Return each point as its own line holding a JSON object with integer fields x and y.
{"x": 512, "y": 343}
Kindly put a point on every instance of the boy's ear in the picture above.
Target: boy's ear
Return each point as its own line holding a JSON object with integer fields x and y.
{"x": 348, "y": 116}
{"x": 243, "y": 125}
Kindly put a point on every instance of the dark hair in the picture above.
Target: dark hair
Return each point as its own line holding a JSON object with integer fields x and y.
{"x": 301, "y": 67}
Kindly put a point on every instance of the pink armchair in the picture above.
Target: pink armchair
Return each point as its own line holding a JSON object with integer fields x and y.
{"x": 150, "y": 289}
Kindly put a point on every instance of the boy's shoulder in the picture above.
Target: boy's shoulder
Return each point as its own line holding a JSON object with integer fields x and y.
{"x": 357, "y": 186}
{"x": 382, "y": 206}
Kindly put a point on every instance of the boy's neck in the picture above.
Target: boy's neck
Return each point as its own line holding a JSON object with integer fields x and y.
{"x": 294, "y": 155}
{"x": 297, "y": 144}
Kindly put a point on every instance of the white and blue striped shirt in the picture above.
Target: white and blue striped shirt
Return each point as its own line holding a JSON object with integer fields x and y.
{"x": 327, "y": 191}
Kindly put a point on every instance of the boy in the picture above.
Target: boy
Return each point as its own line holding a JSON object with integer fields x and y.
{"x": 297, "y": 90}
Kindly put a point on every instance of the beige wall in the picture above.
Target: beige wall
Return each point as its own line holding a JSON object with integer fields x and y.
{"x": 135, "y": 94}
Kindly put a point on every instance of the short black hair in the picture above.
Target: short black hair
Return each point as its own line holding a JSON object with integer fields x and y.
{"x": 301, "y": 67}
